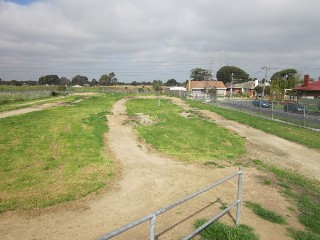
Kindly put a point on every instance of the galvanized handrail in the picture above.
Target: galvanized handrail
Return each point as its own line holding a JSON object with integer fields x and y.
{"x": 152, "y": 216}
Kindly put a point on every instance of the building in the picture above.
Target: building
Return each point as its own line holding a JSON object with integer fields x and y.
{"x": 199, "y": 89}
{"x": 309, "y": 89}
{"x": 244, "y": 88}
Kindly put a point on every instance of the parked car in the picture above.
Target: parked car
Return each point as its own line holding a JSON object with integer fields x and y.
{"x": 262, "y": 103}
{"x": 295, "y": 108}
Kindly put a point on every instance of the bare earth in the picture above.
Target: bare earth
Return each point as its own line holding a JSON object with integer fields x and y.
{"x": 149, "y": 181}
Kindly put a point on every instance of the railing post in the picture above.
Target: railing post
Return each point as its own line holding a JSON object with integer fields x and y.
{"x": 239, "y": 198}
{"x": 152, "y": 227}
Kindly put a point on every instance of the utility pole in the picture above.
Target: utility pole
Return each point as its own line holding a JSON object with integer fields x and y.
{"x": 265, "y": 78}
{"x": 232, "y": 80}
{"x": 231, "y": 85}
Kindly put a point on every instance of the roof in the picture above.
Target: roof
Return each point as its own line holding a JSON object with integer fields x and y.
{"x": 311, "y": 86}
{"x": 207, "y": 84}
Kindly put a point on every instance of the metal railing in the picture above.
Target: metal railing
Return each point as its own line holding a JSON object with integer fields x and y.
{"x": 152, "y": 217}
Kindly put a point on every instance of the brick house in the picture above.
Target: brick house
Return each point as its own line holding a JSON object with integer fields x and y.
{"x": 308, "y": 89}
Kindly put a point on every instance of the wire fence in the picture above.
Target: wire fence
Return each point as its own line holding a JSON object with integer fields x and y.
{"x": 301, "y": 114}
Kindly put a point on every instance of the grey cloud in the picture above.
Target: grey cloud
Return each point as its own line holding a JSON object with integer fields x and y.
{"x": 254, "y": 33}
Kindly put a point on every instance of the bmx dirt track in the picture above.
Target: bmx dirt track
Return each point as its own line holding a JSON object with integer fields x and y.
{"x": 148, "y": 181}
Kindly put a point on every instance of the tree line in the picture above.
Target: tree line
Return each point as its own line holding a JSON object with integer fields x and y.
{"x": 279, "y": 81}
{"x": 105, "y": 80}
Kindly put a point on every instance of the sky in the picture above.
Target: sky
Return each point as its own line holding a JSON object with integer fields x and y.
{"x": 146, "y": 40}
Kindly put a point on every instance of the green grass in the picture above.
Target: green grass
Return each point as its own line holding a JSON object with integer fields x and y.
{"x": 303, "y": 136}
{"x": 303, "y": 235}
{"x": 187, "y": 139}
{"x": 54, "y": 155}
{"x": 304, "y": 192}
{"x": 265, "y": 213}
{"x": 219, "y": 231}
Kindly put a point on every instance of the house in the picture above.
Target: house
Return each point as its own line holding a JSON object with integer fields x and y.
{"x": 199, "y": 89}
{"x": 246, "y": 87}
{"x": 308, "y": 89}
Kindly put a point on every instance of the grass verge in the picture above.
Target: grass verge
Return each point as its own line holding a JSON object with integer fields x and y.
{"x": 55, "y": 155}
{"x": 218, "y": 231}
{"x": 265, "y": 213}
{"x": 189, "y": 139}
{"x": 303, "y": 136}
{"x": 303, "y": 191}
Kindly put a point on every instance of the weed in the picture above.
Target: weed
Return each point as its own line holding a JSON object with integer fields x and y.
{"x": 303, "y": 235}
{"x": 218, "y": 231}
{"x": 265, "y": 213}
{"x": 267, "y": 182}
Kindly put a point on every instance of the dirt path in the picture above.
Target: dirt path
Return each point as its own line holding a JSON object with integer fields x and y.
{"x": 29, "y": 109}
{"x": 40, "y": 106}
{"x": 148, "y": 182}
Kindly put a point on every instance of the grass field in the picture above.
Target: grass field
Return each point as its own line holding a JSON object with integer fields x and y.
{"x": 54, "y": 155}
{"x": 303, "y": 136}
{"x": 189, "y": 139}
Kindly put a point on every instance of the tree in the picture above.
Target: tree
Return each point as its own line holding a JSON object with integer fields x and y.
{"x": 224, "y": 74}
{"x": 259, "y": 90}
{"x": 157, "y": 85}
{"x": 285, "y": 79}
{"x": 213, "y": 93}
{"x": 94, "y": 82}
{"x": 200, "y": 74}
{"x": 79, "y": 80}
{"x": 108, "y": 79}
{"x": 64, "y": 81}
{"x": 172, "y": 82}
{"x": 49, "y": 79}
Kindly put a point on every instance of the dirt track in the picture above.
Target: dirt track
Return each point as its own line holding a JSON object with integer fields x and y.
{"x": 150, "y": 181}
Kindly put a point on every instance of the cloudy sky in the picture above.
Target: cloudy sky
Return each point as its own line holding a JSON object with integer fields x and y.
{"x": 144, "y": 40}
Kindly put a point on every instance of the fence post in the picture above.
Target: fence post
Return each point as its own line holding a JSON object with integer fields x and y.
{"x": 152, "y": 227}
{"x": 239, "y": 198}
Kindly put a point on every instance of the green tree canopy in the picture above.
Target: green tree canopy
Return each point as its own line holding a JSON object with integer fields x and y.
{"x": 157, "y": 85}
{"x": 285, "y": 79}
{"x": 49, "y": 79}
{"x": 239, "y": 75}
{"x": 94, "y": 82}
{"x": 172, "y": 82}
{"x": 64, "y": 81}
{"x": 108, "y": 79}
{"x": 200, "y": 74}
{"x": 79, "y": 80}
